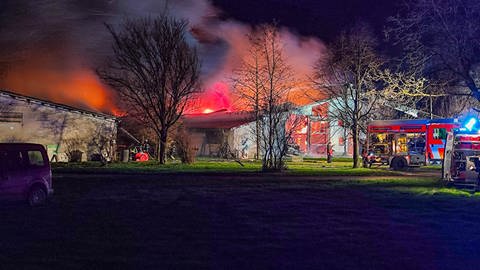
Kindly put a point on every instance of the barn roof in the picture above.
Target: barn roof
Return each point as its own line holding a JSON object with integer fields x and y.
{"x": 218, "y": 119}
{"x": 43, "y": 102}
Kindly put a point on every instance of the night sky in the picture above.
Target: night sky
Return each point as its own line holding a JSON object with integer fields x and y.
{"x": 323, "y": 19}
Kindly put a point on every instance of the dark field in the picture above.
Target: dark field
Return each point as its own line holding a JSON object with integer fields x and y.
{"x": 242, "y": 222}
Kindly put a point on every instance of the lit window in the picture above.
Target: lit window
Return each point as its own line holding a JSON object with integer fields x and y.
{"x": 440, "y": 133}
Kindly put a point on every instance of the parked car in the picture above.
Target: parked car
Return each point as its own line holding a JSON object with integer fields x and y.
{"x": 25, "y": 173}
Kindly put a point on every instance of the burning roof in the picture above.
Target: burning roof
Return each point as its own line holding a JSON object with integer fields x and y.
{"x": 43, "y": 102}
{"x": 218, "y": 119}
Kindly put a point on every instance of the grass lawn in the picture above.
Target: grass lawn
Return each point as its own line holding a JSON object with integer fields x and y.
{"x": 157, "y": 221}
{"x": 308, "y": 167}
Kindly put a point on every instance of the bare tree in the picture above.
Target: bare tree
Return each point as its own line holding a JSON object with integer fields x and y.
{"x": 442, "y": 39}
{"x": 264, "y": 82}
{"x": 247, "y": 82}
{"x": 277, "y": 82}
{"x": 349, "y": 75}
{"x": 73, "y": 148}
{"x": 102, "y": 144}
{"x": 184, "y": 146}
{"x": 407, "y": 92}
{"x": 154, "y": 70}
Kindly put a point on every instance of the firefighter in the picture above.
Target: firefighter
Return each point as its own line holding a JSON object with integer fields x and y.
{"x": 146, "y": 147}
{"x": 410, "y": 144}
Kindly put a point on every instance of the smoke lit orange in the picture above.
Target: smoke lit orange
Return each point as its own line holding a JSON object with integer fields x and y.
{"x": 213, "y": 99}
{"x": 80, "y": 88}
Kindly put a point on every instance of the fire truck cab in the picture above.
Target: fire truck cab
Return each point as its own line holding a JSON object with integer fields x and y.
{"x": 461, "y": 165}
{"x": 406, "y": 143}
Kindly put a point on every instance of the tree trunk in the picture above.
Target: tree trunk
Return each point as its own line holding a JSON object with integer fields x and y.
{"x": 257, "y": 121}
{"x": 355, "y": 146}
{"x": 162, "y": 146}
{"x": 472, "y": 85}
{"x": 329, "y": 152}
{"x": 257, "y": 134}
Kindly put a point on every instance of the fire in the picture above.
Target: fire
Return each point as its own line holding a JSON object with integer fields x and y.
{"x": 303, "y": 93}
{"x": 219, "y": 97}
{"x": 118, "y": 113}
{"x": 213, "y": 99}
{"x": 79, "y": 88}
{"x": 208, "y": 111}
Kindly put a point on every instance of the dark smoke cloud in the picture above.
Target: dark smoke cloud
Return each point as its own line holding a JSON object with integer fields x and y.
{"x": 50, "y": 48}
{"x": 60, "y": 39}
{"x": 70, "y": 33}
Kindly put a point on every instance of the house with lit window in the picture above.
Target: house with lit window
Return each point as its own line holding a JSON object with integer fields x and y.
{"x": 68, "y": 133}
{"x": 318, "y": 129}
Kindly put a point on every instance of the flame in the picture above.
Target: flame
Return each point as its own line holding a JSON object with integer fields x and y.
{"x": 118, "y": 113}
{"x": 219, "y": 97}
{"x": 303, "y": 93}
{"x": 78, "y": 88}
{"x": 208, "y": 111}
{"x": 215, "y": 98}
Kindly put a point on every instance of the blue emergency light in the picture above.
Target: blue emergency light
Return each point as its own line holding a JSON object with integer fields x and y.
{"x": 470, "y": 124}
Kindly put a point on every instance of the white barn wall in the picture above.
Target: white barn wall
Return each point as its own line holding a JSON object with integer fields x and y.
{"x": 336, "y": 133}
{"x": 244, "y": 141}
{"x": 60, "y": 129}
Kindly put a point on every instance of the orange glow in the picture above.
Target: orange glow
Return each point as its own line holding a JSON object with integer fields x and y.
{"x": 79, "y": 88}
{"x": 219, "y": 97}
{"x": 214, "y": 98}
{"x": 208, "y": 111}
{"x": 118, "y": 113}
{"x": 304, "y": 93}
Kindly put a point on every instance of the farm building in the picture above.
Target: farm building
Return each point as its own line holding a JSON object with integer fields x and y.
{"x": 211, "y": 132}
{"x": 68, "y": 133}
{"x": 319, "y": 129}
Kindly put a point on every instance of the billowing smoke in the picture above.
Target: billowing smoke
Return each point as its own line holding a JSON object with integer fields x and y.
{"x": 50, "y": 48}
{"x": 301, "y": 54}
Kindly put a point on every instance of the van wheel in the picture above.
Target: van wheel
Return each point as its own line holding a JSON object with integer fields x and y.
{"x": 398, "y": 164}
{"x": 37, "y": 196}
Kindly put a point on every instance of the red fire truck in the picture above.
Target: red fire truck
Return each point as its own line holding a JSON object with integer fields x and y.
{"x": 407, "y": 143}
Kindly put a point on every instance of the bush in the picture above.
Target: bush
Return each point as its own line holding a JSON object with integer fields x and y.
{"x": 184, "y": 147}
{"x": 74, "y": 156}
